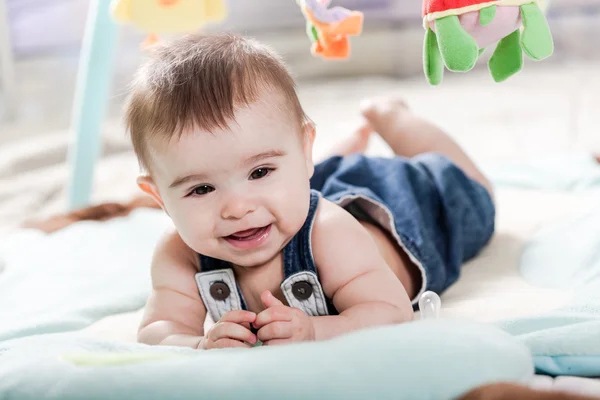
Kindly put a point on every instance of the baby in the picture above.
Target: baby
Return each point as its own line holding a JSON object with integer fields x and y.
{"x": 269, "y": 245}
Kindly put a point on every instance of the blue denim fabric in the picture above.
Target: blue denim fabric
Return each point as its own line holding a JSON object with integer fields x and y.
{"x": 443, "y": 217}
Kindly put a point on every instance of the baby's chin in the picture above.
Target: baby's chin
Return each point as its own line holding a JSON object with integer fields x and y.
{"x": 258, "y": 259}
{"x": 252, "y": 261}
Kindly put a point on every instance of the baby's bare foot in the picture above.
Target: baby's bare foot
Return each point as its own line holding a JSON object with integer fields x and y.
{"x": 398, "y": 126}
{"x": 355, "y": 143}
{"x": 385, "y": 114}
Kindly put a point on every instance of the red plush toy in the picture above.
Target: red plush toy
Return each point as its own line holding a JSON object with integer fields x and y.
{"x": 458, "y": 31}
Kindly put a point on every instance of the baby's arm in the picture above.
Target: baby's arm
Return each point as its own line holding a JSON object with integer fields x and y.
{"x": 174, "y": 314}
{"x": 353, "y": 273}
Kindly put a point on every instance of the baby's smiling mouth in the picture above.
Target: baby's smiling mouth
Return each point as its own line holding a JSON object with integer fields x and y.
{"x": 249, "y": 234}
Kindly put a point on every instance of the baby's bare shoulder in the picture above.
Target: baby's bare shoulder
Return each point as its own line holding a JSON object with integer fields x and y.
{"x": 173, "y": 259}
{"x": 341, "y": 247}
{"x": 333, "y": 219}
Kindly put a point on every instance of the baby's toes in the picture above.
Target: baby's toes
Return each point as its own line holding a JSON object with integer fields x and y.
{"x": 382, "y": 108}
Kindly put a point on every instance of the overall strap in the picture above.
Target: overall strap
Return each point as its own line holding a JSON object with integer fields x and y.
{"x": 218, "y": 287}
{"x": 301, "y": 286}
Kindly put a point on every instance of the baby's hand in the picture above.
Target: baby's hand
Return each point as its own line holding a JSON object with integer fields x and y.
{"x": 280, "y": 324}
{"x": 232, "y": 330}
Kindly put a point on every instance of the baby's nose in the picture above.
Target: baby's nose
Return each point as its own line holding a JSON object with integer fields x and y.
{"x": 237, "y": 207}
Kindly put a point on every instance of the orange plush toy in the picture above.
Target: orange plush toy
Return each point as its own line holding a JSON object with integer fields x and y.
{"x": 329, "y": 29}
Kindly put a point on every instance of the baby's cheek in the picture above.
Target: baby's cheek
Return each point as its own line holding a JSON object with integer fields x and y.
{"x": 295, "y": 211}
{"x": 191, "y": 225}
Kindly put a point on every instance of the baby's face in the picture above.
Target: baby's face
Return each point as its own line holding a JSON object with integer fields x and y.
{"x": 242, "y": 193}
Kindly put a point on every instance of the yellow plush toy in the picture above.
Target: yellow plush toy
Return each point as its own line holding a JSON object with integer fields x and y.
{"x": 168, "y": 16}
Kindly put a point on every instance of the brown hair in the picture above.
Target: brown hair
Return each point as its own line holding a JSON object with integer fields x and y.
{"x": 198, "y": 81}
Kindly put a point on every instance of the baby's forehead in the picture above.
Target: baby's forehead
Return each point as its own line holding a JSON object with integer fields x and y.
{"x": 270, "y": 108}
{"x": 256, "y": 128}
{"x": 269, "y": 116}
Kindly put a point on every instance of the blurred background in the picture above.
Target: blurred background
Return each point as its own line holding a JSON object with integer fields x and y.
{"x": 552, "y": 106}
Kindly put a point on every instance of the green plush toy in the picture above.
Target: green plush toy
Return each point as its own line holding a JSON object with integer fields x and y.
{"x": 458, "y": 31}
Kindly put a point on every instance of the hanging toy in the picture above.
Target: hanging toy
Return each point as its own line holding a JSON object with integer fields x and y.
{"x": 458, "y": 31}
{"x": 328, "y": 29}
{"x": 168, "y": 16}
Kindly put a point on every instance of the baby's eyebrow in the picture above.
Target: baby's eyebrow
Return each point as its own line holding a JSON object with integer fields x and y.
{"x": 181, "y": 180}
{"x": 265, "y": 154}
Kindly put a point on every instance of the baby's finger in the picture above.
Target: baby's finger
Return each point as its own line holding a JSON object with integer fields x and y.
{"x": 249, "y": 327}
{"x": 232, "y": 330}
{"x": 238, "y": 317}
{"x": 278, "y": 313}
{"x": 269, "y": 300}
{"x": 228, "y": 343}
{"x": 275, "y": 330}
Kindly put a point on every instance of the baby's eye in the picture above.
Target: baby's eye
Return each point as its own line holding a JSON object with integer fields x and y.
{"x": 260, "y": 173}
{"x": 202, "y": 190}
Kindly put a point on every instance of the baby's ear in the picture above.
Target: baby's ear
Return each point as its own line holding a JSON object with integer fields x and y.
{"x": 308, "y": 134}
{"x": 309, "y": 131}
{"x": 148, "y": 186}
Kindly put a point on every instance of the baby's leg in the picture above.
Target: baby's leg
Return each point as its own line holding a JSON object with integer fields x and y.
{"x": 408, "y": 135}
{"x": 357, "y": 142}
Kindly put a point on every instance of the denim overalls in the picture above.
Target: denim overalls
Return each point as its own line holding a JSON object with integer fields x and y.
{"x": 436, "y": 214}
